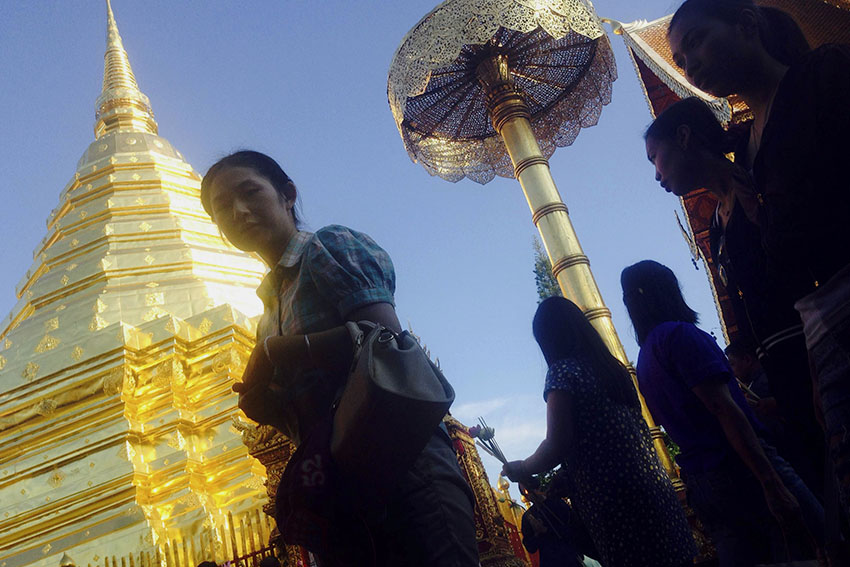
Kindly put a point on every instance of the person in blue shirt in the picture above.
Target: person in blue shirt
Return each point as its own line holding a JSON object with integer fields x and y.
{"x": 737, "y": 484}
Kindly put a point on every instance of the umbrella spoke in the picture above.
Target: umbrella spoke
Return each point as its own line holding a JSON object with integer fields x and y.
{"x": 434, "y": 113}
{"x": 445, "y": 72}
{"x": 530, "y": 45}
{"x": 529, "y": 39}
{"x": 527, "y": 93}
{"x": 441, "y": 93}
{"x": 549, "y": 82}
{"x": 552, "y": 66}
{"x": 450, "y": 109}
{"x": 558, "y": 47}
{"x": 462, "y": 122}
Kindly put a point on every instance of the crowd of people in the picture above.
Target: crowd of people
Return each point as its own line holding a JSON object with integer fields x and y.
{"x": 754, "y": 424}
{"x": 762, "y": 428}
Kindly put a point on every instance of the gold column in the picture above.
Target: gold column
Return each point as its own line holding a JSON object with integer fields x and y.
{"x": 570, "y": 265}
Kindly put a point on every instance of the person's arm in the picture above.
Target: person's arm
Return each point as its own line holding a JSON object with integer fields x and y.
{"x": 559, "y": 437}
{"x": 329, "y": 350}
{"x": 353, "y": 275}
{"x": 716, "y": 397}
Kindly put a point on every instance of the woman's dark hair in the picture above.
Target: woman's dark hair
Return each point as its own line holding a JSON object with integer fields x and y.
{"x": 779, "y": 33}
{"x": 652, "y": 296}
{"x": 259, "y": 162}
{"x": 694, "y": 113}
{"x": 562, "y": 331}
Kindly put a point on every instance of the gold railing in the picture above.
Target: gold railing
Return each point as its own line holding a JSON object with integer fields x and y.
{"x": 242, "y": 542}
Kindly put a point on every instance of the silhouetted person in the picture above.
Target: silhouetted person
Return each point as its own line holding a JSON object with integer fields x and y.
{"x": 595, "y": 428}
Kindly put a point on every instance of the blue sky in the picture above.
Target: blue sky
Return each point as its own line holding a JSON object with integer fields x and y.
{"x": 306, "y": 83}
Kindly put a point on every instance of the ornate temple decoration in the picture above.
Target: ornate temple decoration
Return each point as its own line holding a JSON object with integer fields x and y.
{"x": 273, "y": 450}
{"x": 822, "y": 21}
{"x": 495, "y": 536}
{"x": 512, "y": 512}
{"x": 116, "y": 362}
{"x": 654, "y": 39}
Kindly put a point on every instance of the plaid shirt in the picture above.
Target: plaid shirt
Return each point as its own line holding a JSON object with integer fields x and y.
{"x": 320, "y": 279}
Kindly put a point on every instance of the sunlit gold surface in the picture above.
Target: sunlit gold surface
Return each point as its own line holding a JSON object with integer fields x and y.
{"x": 569, "y": 263}
{"x": 116, "y": 363}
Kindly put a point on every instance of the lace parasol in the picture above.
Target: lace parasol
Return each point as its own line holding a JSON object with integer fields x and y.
{"x": 559, "y": 59}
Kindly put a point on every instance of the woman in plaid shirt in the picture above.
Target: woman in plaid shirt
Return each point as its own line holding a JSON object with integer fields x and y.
{"x": 318, "y": 282}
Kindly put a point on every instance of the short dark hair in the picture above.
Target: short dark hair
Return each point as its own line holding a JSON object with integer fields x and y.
{"x": 259, "y": 162}
{"x": 695, "y": 114}
{"x": 652, "y": 296}
{"x": 741, "y": 347}
{"x": 562, "y": 331}
{"x": 780, "y": 35}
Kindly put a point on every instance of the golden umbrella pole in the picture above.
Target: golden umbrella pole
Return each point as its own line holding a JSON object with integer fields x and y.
{"x": 467, "y": 85}
{"x": 511, "y": 119}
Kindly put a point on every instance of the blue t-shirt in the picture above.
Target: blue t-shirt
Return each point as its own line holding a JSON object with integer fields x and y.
{"x": 674, "y": 358}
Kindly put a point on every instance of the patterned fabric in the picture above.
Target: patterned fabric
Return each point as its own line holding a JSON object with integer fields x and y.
{"x": 620, "y": 489}
{"x": 320, "y": 279}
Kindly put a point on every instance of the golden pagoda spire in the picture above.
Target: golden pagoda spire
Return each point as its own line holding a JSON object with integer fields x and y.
{"x": 121, "y": 105}
{"x": 116, "y": 362}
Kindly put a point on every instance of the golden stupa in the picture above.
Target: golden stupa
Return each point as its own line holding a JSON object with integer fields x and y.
{"x": 118, "y": 427}
{"x": 120, "y": 440}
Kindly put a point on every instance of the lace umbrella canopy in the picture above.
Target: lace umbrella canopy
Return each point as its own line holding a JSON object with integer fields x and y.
{"x": 559, "y": 59}
{"x": 480, "y": 88}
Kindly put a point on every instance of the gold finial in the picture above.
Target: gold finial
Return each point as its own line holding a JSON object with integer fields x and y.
{"x": 121, "y": 105}
{"x": 66, "y": 561}
{"x": 117, "y": 72}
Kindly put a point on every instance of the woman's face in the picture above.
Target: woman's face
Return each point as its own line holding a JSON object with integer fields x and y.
{"x": 712, "y": 53}
{"x": 249, "y": 211}
{"x": 674, "y": 169}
